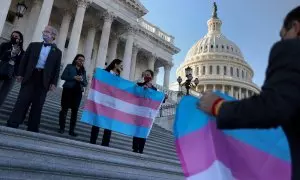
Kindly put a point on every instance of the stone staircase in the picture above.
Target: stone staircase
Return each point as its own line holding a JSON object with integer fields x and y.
{"x": 49, "y": 155}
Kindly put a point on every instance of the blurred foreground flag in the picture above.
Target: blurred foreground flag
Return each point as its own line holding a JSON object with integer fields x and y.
{"x": 120, "y": 105}
{"x": 207, "y": 153}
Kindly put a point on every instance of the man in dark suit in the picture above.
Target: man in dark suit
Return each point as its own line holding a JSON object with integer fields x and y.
{"x": 278, "y": 104}
{"x": 38, "y": 73}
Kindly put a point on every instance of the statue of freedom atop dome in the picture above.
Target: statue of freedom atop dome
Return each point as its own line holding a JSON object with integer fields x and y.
{"x": 215, "y": 10}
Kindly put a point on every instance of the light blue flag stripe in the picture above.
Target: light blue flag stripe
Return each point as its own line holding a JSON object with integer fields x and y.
{"x": 114, "y": 125}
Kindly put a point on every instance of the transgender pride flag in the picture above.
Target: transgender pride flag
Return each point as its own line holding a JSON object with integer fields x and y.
{"x": 120, "y": 105}
{"x": 207, "y": 153}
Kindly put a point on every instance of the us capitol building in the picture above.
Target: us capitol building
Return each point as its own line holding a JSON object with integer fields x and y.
{"x": 218, "y": 63}
{"x": 102, "y": 30}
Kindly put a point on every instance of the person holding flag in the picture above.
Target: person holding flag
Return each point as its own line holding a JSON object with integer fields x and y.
{"x": 278, "y": 103}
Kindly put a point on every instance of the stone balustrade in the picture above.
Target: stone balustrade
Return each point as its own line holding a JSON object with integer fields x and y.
{"x": 150, "y": 27}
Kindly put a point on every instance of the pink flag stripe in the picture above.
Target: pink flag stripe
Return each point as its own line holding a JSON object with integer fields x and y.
{"x": 198, "y": 151}
{"x": 117, "y": 115}
{"x": 123, "y": 95}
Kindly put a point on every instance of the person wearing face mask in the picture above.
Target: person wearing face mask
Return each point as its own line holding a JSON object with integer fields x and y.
{"x": 278, "y": 104}
{"x": 75, "y": 81}
{"x": 10, "y": 56}
{"x": 138, "y": 144}
{"x": 115, "y": 68}
{"x": 38, "y": 73}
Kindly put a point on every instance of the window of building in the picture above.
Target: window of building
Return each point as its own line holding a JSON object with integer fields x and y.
{"x": 243, "y": 75}
{"x": 218, "y": 70}
{"x": 203, "y": 70}
{"x": 217, "y": 46}
{"x": 237, "y": 72}
{"x": 222, "y": 46}
{"x": 231, "y": 71}
{"x": 212, "y": 46}
{"x": 197, "y": 71}
{"x": 210, "y": 69}
{"x": 225, "y": 70}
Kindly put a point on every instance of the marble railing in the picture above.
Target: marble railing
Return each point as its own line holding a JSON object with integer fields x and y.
{"x": 153, "y": 29}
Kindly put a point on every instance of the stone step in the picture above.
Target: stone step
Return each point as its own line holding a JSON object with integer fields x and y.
{"x": 51, "y": 122}
{"x": 26, "y": 151}
{"x": 50, "y": 106}
{"x": 151, "y": 148}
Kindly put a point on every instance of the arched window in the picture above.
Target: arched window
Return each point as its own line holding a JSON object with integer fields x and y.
{"x": 231, "y": 71}
{"x": 225, "y": 70}
{"x": 243, "y": 75}
{"x": 237, "y": 72}
{"x": 210, "y": 69}
{"x": 203, "y": 70}
{"x": 218, "y": 70}
{"x": 197, "y": 71}
{"x": 212, "y": 46}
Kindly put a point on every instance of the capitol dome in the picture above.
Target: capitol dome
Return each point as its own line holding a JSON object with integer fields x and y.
{"x": 218, "y": 63}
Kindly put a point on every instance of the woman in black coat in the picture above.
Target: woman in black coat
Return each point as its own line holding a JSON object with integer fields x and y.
{"x": 115, "y": 67}
{"x": 11, "y": 54}
{"x": 75, "y": 81}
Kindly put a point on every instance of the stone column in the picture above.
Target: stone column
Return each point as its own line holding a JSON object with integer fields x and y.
{"x": 102, "y": 52}
{"x": 76, "y": 31}
{"x": 240, "y": 93}
{"x": 43, "y": 20}
{"x": 247, "y": 93}
{"x": 113, "y": 45}
{"x": 205, "y": 88}
{"x": 64, "y": 29}
{"x": 167, "y": 70}
{"x": 156, "y": 71}
{"x": 128, "y": 53}
{"x": 231, "y": 91}
{"x": 88, "y": 48}
{"x": 32, "y": 19}
{"x": 223, "y": 88}
{"x": 151, "y": 61}
{"x": 214, "y": 87}
{"x": 3, "y": 13}
{"x": 135, "y": 51}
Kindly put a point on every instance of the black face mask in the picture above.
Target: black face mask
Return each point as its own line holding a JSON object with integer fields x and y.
{"x": 13, "y": 40}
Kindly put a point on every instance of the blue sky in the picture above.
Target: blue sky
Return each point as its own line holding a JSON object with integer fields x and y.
{"x": 252, "y": 24}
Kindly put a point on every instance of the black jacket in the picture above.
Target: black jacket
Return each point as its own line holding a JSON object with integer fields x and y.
{"x": 278, "y": 103}
{"x": 5, "y": 53}
{"x": 30, "y": 60}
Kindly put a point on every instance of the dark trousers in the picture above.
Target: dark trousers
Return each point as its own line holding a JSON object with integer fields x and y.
{"x": 105, "y": 138}
{"x": 5, "y": 87}
{"x": 63, "y": 116}
{"x": 138, "y": 144}
{"x": 32, "y": 92}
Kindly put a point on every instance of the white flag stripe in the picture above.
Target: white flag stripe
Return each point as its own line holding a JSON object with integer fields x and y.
{"x": 120, "y": 105}
{"x": 217, "y": 171}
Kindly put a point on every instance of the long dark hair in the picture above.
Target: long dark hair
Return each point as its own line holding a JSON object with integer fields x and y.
{"x": 112, "y": 65}
{"x": 82, "y": 69}
{"x": 21, "y": 38}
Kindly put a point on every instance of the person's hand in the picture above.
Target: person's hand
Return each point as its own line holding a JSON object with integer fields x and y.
{"x": 19, "y": 79}
{"x": 207, "y": 101}
{"x": 78, "y": 78}
{"x": 52, "y": 87}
